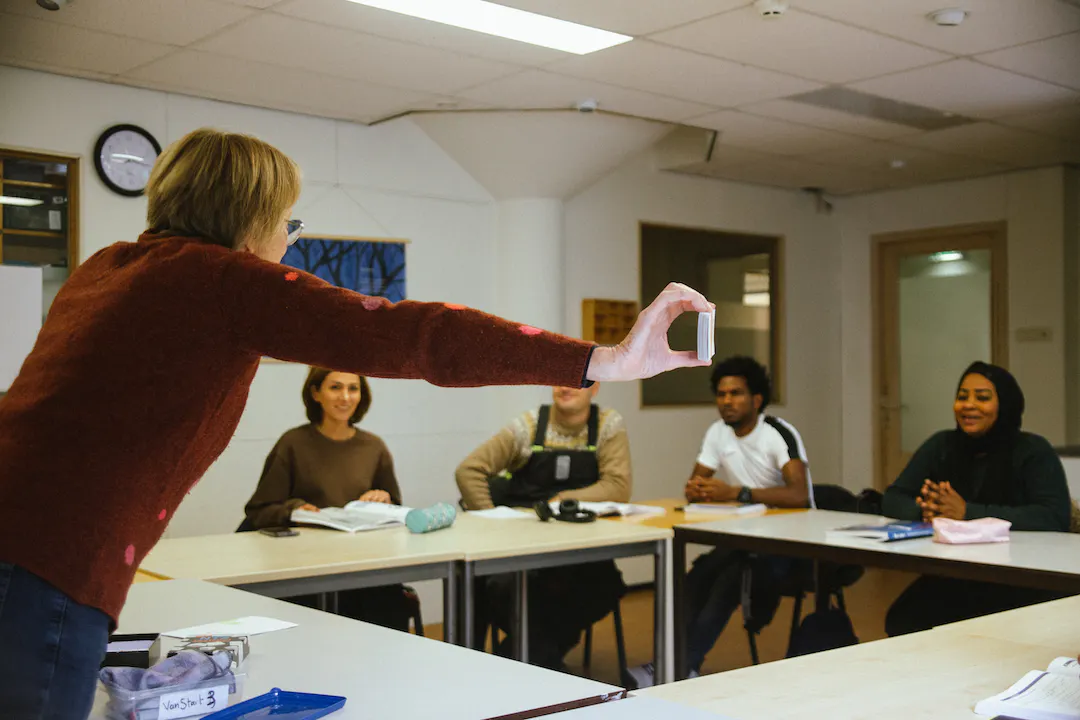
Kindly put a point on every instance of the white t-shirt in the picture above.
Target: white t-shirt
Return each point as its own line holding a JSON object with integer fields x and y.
{"x": 754, "y": 461}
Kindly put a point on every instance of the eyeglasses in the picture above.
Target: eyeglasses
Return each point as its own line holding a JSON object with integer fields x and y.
{"x": 294, "y": 228}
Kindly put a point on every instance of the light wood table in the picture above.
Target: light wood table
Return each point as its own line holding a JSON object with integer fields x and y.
{"x": 492, "y": 547}
{"x": 1031, "y": 559}
{"x": 939, "y": 674}
{"x": 383, "y": 673}
{"x": 315, "y": 561}
{"x": 142, "y": 576}
{"x": 674, "y": 515}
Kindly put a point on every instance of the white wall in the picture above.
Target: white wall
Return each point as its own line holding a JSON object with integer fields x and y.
{"x": 602, "y": 259}
{"x": 1031, "y": 202}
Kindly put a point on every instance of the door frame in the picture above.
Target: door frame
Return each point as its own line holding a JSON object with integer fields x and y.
{"x": 887, "y": 248}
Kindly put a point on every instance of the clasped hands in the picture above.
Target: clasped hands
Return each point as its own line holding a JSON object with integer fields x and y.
{"x": 940, "y": 500}
{"x": 703, "y": 489}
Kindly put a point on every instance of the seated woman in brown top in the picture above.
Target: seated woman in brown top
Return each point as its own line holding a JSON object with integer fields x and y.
{"x": 328, "y": 463}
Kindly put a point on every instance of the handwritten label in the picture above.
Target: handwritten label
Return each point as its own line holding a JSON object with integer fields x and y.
{"x": 193, "y": 702}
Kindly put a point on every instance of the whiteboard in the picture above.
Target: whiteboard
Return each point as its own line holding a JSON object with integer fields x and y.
{"x": 20, "y": 318}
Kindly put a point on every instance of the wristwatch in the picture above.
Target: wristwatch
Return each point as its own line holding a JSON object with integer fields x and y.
{"x": 745, "y": 496}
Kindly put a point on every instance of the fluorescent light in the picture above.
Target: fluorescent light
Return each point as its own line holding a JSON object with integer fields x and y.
{"x": 506, "y": 22}
{"x": 946, "y": 256}
{"x": 25, "y": 202}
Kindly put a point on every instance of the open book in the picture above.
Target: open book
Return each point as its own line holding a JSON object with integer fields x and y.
{"x": 357, "y": 516}
{"x": 1053, "y": 694}
{"x": 886, "y": 530}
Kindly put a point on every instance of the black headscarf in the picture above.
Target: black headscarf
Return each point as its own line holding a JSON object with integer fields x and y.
{"x": 995, "y": 448}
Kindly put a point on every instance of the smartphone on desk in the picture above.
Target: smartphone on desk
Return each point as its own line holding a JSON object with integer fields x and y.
{"x": 279, "y": 532}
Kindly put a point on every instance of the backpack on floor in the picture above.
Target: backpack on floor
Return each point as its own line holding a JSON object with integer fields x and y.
{"x": 822, "y": 630}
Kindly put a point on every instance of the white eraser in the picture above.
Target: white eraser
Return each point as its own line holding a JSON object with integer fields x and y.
{"x": 706, "y": 335}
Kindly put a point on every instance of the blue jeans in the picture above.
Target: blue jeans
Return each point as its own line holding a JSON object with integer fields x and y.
{"x": 50, "y": 649}
{"x": 714, "y": 591}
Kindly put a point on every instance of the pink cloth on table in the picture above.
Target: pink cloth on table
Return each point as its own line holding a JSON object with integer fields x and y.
{"x": 967, "y": 532}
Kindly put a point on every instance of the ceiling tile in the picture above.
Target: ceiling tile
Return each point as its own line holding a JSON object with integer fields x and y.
{"x": 970, "y": 88}
{"x": 373, "y": 21}
{"x": 774, "y": 136}
{"x": 813, "y": 47}
{"x": 539, "y": 89}
{"x": 175, "y": 22}
{"x": 281, "y": 40}
{"x": 630, "y": 18}
{"x": 917, "y": 163}
{"x": 1062, "y": 123}
{"x": 244, "y": 81}
{"x": 26, "y": 40}
{"x": 1056, "y": 60}
{"x": 797, "y": 173}
{"x": 990, "y": 25}
{"x": 987, "y": 141}
{"x": 262, "y": 4}
{"x": 825, "y": 118}
{"x": 677, "y": 73}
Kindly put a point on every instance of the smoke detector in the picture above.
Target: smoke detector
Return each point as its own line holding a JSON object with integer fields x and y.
{"x": 771, "y": 8}
{"x": 949, "y": 17}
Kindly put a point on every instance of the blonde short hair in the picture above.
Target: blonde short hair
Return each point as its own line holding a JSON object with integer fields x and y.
{"x": 224, "y": 187}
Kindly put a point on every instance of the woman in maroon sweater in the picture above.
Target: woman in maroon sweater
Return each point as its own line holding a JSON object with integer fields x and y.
{"x": 141, "y": 371}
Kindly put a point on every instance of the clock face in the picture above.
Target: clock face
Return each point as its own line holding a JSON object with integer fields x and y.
{"x": 124, "y": 157}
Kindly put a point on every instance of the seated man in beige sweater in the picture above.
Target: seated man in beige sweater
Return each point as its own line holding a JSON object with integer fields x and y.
{"x": 569, "y": 450}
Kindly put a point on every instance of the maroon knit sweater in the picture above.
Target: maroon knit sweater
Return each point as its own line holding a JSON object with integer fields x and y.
{"x": 141, "y": 371}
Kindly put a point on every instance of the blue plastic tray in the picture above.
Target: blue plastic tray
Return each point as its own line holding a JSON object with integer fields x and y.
{"x": 281, "y": 705}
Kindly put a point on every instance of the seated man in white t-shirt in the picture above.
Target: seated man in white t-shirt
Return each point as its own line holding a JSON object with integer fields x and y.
{"x": 746, "y": 457}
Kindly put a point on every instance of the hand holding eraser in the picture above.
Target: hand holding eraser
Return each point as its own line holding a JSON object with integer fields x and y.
{"x": 706, "y": 335}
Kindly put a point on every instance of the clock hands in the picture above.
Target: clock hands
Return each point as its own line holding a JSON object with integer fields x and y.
{"x": 124, "y": 157}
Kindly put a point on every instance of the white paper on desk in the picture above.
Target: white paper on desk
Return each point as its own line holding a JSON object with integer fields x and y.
{"x": 637, "y": 707}
{"x": 726, "y": 509}
{"x": 502, "y": 513}
{"x": 608, "y": 509}
{"x": 251, "y": 625}
{"x": 1038, "y": 696}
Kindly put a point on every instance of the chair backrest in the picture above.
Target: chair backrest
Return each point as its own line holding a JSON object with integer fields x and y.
{"x": 834, "y": 497}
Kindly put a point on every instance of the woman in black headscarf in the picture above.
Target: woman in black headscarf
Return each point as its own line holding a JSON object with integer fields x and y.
{"x": 986, "y": 467}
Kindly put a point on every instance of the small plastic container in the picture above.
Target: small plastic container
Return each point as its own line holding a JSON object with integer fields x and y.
{"x": 191, "y": 700}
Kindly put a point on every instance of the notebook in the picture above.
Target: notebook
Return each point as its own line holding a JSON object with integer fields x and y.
{"x": 355, "y": 517}
{"x": 1051, "y": 694}
{"x": 887, "y": 531}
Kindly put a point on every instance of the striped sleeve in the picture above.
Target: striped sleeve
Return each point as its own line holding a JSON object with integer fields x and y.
{"x": 790, "y": 445}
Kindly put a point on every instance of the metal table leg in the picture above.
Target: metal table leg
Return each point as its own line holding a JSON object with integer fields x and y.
{"x": 661, "y": 603}
{"x": 468, "y": 605}
{"x": 450, "y": 610}
{"x": 678, "y": 572}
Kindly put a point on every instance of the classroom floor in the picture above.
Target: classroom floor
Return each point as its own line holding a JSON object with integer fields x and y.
{"x": 866, "y": 601}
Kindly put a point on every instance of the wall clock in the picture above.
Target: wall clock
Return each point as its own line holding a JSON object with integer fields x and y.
{"x": 123, "y": 157}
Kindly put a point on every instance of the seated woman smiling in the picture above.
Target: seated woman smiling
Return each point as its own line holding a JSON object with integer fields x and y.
{"x": 328, "y": 463}
{"x": 986, "y": 467}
